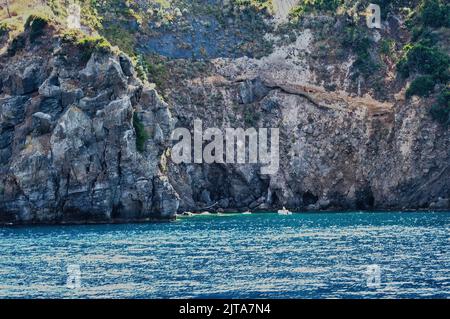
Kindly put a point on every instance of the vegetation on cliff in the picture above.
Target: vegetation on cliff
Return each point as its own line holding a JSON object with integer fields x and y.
{"x": 86, "y": 44}
{"x": 441, "y": 109}
{"x": 240, "y": 28}
{"x": 336, "y": 99}
{"x": 425, "y": 59}
{"x": 141, "y": 134}
{"x": 422, "y": 60}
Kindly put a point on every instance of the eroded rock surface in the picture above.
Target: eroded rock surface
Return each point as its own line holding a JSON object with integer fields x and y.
{"x": 68, "y": 144}
{"x": 338, "y": 149}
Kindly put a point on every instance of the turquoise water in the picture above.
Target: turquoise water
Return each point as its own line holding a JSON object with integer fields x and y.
{"x": 234, "y": 256}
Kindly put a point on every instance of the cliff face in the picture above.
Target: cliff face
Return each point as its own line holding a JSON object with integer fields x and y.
{"x": 338, "y": 150}
{"x": 83, "y": 139}
{"x": 68, "y": 143}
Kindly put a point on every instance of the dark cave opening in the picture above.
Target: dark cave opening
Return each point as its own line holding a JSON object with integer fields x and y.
{"x": 309, "y": 198}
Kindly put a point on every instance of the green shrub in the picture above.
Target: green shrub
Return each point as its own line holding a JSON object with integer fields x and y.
{"x": 421, "y": 86}
{"x": 98, "y": 44}
{"x": 4, "y": 29}
{"x": 36, "y": 24}
{"x": 360, "y": 43}
{"x": 141, "y": 134}
{"x": 91, "y": 17}
{"x": 57, "y": 7}
{"x": 90, "y": 45}
{"x": 424, "y": 57}
{"x": 141, "y": 67}
{"x": 121, "y": 37}
{"x": 259, "y": 5}
{"x": 387, "y": 46}
{"x": 424, "y": 60}
{"x": 87, "y": 45}
{"x": 157, "y": 73}
{"x": 424, "y": 35}
{"x": 310, "y": 6}
{"x": 440, "y": 111}
{"x": 71, "y": 36}
{"x": 434, "y": 13}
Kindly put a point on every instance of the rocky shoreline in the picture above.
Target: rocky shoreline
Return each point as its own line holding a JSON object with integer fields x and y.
{"x": 182, "y": 215}
{"x": 84, "y": 139}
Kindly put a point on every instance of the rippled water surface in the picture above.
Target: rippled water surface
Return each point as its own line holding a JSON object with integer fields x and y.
{"x": 232, "y": 256}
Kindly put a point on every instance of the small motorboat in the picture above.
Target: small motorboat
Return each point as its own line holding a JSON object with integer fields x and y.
{"x": 284, "y": 211}
{"x": 247, "y": 212}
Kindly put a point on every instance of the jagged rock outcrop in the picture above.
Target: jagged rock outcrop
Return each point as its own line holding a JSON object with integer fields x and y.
{"x": 68, "y": 144}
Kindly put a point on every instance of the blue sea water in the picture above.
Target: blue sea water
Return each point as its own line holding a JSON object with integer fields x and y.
{"x": 324, "y": 255}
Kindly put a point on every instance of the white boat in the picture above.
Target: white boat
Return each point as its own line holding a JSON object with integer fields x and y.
{"x": 284, "y": 211}
{"x": 247, "y": 212}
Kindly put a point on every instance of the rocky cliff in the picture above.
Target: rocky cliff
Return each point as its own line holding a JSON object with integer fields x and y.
{"x": 338, "y": 150}
{"x": 68, "y": 143}
{"x": 84, "y": 139}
